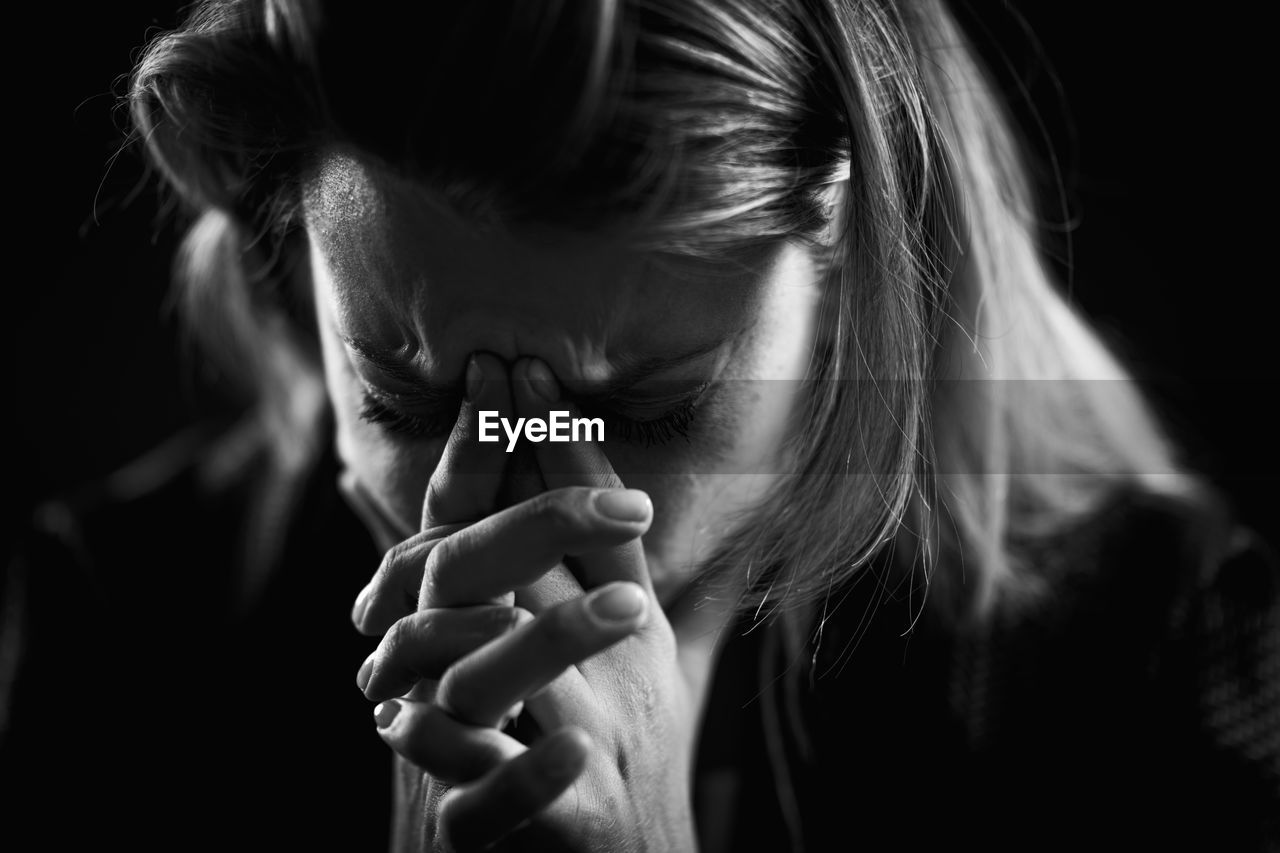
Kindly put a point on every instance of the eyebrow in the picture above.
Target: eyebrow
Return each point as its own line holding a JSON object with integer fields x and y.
{"x": 429, "y": 393}
{"x": 630, "y": 372}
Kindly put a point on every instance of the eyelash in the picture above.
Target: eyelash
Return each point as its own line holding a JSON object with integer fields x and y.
{"x": 374, "y": 411}
{"x": 659, "y": 431}
{"x": 650, "y": 433}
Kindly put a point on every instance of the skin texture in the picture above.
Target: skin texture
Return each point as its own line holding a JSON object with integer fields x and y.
{"x": 504, "y": 555}
{"x": 411, "y": 279}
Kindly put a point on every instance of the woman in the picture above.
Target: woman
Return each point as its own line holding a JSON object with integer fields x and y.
{"x": 785, "y": 253}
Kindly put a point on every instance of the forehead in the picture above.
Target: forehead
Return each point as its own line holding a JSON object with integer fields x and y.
{"x": 408, "y": 273}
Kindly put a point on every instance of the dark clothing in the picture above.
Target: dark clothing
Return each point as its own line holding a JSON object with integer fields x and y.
{"x": 1137, "y": 706}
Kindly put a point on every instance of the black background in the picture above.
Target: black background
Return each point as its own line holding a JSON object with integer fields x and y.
{"x": 1144, "y": 127}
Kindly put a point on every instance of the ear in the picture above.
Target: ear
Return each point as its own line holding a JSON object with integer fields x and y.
{"x": 833, "y": 199}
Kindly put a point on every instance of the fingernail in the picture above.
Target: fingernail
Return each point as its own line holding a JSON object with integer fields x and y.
{"x": 543, "y": 383}
{"x": 366, "y": 670}
{"x": 475, "y": 379}
{"x": 624, "y": 505}
{"x": 386, "y": 712}
{"x": 618, "y": 602}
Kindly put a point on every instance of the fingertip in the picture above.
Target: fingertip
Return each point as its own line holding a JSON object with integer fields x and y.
{"x": 474, "y": 380}
{"x": 573, "y": 737}
{"x": 565, "y": 753}
{"x": 382, "y": 612}
{"x": 619, "y": 603}
{"x": 365, "y": 673}
{"x": 485, "y": 372}
{"x": 361, "y": 605}
{"x": 385, "y": 715}
{"x": 536, "y": 381}
{"x": 542, "y": 382}
{"x": 367, "y": 623}
{"x": 467, "y": 473}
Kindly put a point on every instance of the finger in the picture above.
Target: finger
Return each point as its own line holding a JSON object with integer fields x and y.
{"x": 481, "y": 687}
{"x": 578, "y": 463}
{"x": 426, "y": 643}
{"x": 462, "y": 487}
{"x": 520, "y": 544}
{"x": 475, "y": 816}
{"x": 563, "y": 463}
{"x": 393, "y": 591}
{"x": 466, "y": 480}
{"x": 386, "y": 532}
{"x": 451, "y": 751}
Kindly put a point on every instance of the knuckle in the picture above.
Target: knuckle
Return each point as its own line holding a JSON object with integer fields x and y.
{"x": 396, "y": 663}
{"x": 398, "y": 636}
{"x": 497, "y": 620}
{"x": 393, "y": 560}
{"x": 435, "y": 493}
{"x": 558, "y": 513}
{"x": 440, "y": 554}
{"x": 458, "y": 693}
{"x": 580, "y": 496}
{"x": 434, "y": 572}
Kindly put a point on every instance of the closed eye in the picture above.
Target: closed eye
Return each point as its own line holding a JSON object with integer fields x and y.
{"x": 383, "y": 412}
{"x": 666, "y": 427}
{"x": 648, "y": 432}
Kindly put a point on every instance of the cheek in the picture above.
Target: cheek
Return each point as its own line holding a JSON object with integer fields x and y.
{"x": 397, "y": 477}
{"x": 395, "y": 473}
{"x": 700, "y": 504}
{"x": 694, "y": 515}
{"x": 704, "y": 491}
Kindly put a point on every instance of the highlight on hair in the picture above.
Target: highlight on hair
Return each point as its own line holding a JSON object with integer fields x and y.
{"x": 699, "y": 129}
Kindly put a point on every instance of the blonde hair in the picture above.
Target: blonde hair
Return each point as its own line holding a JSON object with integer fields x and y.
{"x": 699, "y": 129}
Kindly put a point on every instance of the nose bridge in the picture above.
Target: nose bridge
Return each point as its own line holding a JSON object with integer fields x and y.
{"x": 511, "y": 330}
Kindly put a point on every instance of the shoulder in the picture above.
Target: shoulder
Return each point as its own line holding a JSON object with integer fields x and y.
{"x": 1145, "y": 564}
{"x": 1140, "y": 686}
{"x": 1134, "y": 601}
{"x": 1151, "y": 662}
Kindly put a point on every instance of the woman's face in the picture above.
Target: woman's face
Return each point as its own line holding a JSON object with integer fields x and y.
{"x": 406, "y": 292}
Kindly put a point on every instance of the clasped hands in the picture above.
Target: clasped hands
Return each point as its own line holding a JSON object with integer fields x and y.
{"x": 543, "y": 608}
